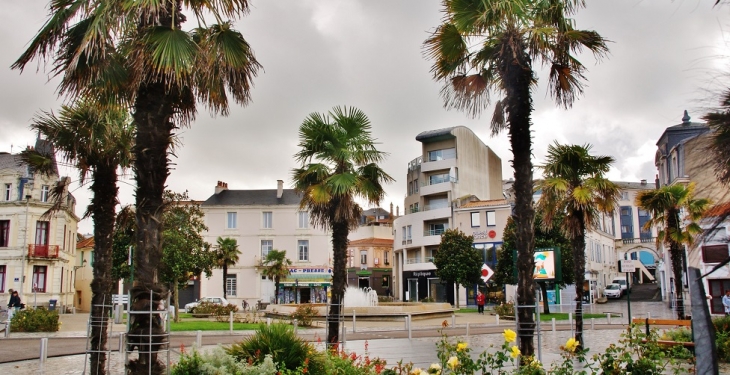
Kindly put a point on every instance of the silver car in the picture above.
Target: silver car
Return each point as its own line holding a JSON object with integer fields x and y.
{"x": 613, "y": 291}
{"x": 215, "y": 300}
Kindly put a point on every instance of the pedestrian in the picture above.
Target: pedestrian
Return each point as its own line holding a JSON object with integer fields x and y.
{"x": 726, "y": 302}
{"x": 13, "y": 304}
{"x": 480, "y": 302}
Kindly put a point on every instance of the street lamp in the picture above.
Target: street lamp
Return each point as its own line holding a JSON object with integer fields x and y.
{"x": 296, "y": 290}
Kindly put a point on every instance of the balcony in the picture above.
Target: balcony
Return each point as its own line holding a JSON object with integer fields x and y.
{"x": 627, "y": 241}
{"x": 427, "y": 166}
{"x": 437, "y": 186}
{"x": 433, "y": 232}
{"x": 43, "y": 251}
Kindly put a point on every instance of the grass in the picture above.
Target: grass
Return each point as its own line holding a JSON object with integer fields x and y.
{"x": 205, "y": 325}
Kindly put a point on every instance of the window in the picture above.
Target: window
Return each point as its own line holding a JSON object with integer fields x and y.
{"x": 303, "y": 246}
{"x": 627, "y": 222}
{"x": 39, "y": 279}
{"x": 475, "y": 219}
{"x": 714, "y": 253}
{"x": 437, "y": 229}
{"x": 231, "y": 285}
{"x": 624, "y": 195}
{"x": 268, "y": 220}
{"x": 4, "y": 233}
{"x": 44, "y": 193}
{"x": 363, "y": 257}
{"x": 266, "y": 246}
{"x": 303, "y": 219}
{"x": 415, "y": 207}
{"x": 386, "y": 258}
{"x": 41, "y": 233}
{"x": 436, "y": 203}
{"x": 232, "y": 218}
{"x": 408, "y": 233}
{"x": 8, "y": 191}
{"x": 447, "y": 153}
{"x": 2, "y": 279}
{"x": 438, "y": 178}
{"x": 404, "y": 235}
{"x": 491, "y": 218}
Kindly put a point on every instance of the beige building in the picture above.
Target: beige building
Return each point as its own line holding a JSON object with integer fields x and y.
{"x": 37, "y": 252}
{"x": 84, "y": 273}
{"x": 260, "y": 221}
{"x": 454, "y": 163}
{"x": 370, "y": 253}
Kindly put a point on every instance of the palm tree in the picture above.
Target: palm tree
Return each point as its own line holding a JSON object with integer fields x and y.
{"x": 276, "y": 265}
{"x": 226, "y": 255}
{"x": 666, "y": 205}
{"x": 575, "y": 185}
{"x": 339, "y": 164}
{"x": 719, "y": 122}
{"x": 97, "y": 143}
{"x": 486, "y": 47}
{"x": 136, "y": 52}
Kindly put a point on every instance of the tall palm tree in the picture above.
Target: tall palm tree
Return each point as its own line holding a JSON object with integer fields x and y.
{"x": 276, "y": 265}
{"x": 719, "y": 121}
{"x": 97, "y": 143}
{"x": 226, "y": 255}
{"x": 666, "y": 205}
{"x": 339, "y": 164}
{"x": 137, "y": 52}
{"x": 488, "y": 47}
{"x": 575, "y": 185}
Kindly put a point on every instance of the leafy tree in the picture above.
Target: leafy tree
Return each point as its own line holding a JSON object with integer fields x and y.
{"x": 545, "y": 237}
{"x": 339, "y": 164}
{"x": 488, "y": 47}
{"x": 97, "y": 142}
{"x": 276, "y": 265}
{"x": 665, "y": 205}
{"x": 138, "y": 53}
{"x": 226, "y": 254}
{"x": 457, "y": 261}
{"x": 575, "y": 184}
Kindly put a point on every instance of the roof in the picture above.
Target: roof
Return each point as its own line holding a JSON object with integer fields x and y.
{"x": 435, "y": 135}
{"x": 489, "y": 203}
{"x": 85, "y": 243}
{"x": 265, "y": 197}
{"x": 722, "y": 209}
{"x": 634, "y": 185}
{"x": 372, "y": 241}
{"x": 10, "y": 161}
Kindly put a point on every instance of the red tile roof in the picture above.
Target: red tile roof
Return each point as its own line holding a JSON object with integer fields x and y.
{"x": 85, "y": 243}
{"x": 372, "y": 242}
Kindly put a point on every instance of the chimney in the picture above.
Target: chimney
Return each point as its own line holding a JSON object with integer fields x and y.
{"x": 279, "y": 189}
{"x": 391, "y": 210}
{"x": 656, "y": 181}
{"x": 643, "y": 182}
{"x": 397, "y": 211}
{"x": 220, "y": 186}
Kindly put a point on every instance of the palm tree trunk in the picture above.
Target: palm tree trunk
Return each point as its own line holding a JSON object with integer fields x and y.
{"x": 277, "y": 282}
{"x": 677, "y": 253}
{"x": 340, "y": 231}
{"x": 545, "y": 304}
{"x": 103, "y": 204}
{"x": 225, "y": 275}
{"x": 578, "y": 243}
{"x": 516, "y": 72}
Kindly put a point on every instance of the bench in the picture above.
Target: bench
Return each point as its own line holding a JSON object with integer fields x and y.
{"x": 667, "y": 322}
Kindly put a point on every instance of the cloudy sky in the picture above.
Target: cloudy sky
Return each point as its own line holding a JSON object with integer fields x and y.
{"x": 666, "y": 56}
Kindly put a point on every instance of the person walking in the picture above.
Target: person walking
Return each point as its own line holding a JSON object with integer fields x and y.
{"x": 726, "y": 302}
{"x": 13, "y": 304}
{"x": 480, "y": 302}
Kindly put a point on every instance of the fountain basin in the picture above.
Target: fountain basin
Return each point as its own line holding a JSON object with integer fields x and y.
{"x": 384, "y": 310}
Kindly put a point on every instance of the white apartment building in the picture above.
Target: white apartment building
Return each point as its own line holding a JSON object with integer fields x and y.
{"x": 262, "y": 220}
{"x": 37, "y": 253}
{"x": 454, "y": 163}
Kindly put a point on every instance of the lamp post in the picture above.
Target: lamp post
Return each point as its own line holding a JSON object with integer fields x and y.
{"x": 296, "y": 290}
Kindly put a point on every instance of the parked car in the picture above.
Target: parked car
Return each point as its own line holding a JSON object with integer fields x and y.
{"x": 215, "y": 300}
{"x": 621, "y": 281}
{"x": 613, "y": 291}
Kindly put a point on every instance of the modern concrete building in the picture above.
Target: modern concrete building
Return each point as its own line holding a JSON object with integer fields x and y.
{"x": 37, "y": 251}
{"x": 454, "y": 163}
{"x": 262, "y": 220}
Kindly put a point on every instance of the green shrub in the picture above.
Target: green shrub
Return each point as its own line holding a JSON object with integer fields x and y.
{"x": 304, "y": 314}
{"x": 505, "y": 309}
{"x": 208, "y": 308}
{"x": 287, "y": 350}
{"x": 722, "y": 324}
{"x": 722, "y": 341}
{"x": 428, "y": 299}
{"x": 35, "y": 320}
{"x": 217, "y": 362}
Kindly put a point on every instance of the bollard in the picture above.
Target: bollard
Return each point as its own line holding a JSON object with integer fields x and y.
{"x": 268, "y": 321}
{"x": 230, "y": 323}
{"x": 497, "y": 319}
{"x": 354, "y": 327}
{"x": 453, "y": 320}
{"x": 593, "y": 324}
{"x": 344, "y": 335}
{"x": 410, "y": 334}
{"x": 553, "y": 324}
{"x": 648, "y": 314}
{"x": 199, "y": 339}
{"x": 608, "y": 316}
{"x": 405, "y": 322}
{"x": 467, "y": 330}
{"x": 122, "y": 347}
{"x": 296, "y": 324}
{"x": 118, "y": 314}
{"x": 44, "y": 351}
{"x": 570, "y": 318}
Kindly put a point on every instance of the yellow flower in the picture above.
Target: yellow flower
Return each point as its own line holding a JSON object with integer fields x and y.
{"x": 416, "y": 371}
{"x": 509, "y": 335}
{"x": 461, "y": 346}
{"x": 435, "y": 368}
{"x": 571, "y": 344}
{"x": 453, "y": 362}
{"x": 515, "y": 352}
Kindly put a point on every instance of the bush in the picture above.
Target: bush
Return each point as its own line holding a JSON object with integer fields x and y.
{"x": 505, "y": 309}
{"x": 722, "y": 337}
{"x": 35, "y": 320}
{"x": 304, "y": 315}
{"x": 287, "y": 350}
{"x": 678, "y": 335}
{"x": 428, "y": 299}
{"x": 217, "y": 362}
{"x": 208, "y": 308}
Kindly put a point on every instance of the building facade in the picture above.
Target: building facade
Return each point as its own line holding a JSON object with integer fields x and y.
{"x": 261, "y": 221}
{"x": 370, "y": 253}
{"x": 454, "y": 163}
{"x": 37, "y": 251}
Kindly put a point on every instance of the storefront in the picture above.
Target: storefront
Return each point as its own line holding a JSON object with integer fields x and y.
{"x": 425, "y": 285}
{"x": 305, "y": 285}
{"x": 378, "y": 279}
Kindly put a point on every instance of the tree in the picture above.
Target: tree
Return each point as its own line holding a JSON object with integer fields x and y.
{"x": 276, "y": 265}
{"x": 97, "y": 142}
{"x": 545, "y": 237}
{"x": 226, "y": 254}
{"x": 339, "y": 164}
{"x": 138, "y": 53}
{"x": 665, "y": 205}
{"x": 719, "y": 122}
{"x": 457, "y": 261}
{"x": 509, "y": 35}
{"x": 575, "y": 184}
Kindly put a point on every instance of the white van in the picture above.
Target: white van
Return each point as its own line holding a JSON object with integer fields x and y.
{"x": 621, "y": 281}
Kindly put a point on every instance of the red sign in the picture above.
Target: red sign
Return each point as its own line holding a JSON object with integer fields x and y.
{"x": 492, "y": 234}
{"x": 487, "y": 273}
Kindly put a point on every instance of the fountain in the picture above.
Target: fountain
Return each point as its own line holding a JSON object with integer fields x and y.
{"x": 356, "y": 297}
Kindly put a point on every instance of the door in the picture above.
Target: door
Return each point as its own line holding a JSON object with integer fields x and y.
{"x": 305, "y": 295}
{"x": 363, "y": 282}
{"x": 412, "y": 290}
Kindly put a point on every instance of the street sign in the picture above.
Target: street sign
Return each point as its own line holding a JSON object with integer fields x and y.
{"x": 487, "y": 273}
{"x": 626, "y": 265}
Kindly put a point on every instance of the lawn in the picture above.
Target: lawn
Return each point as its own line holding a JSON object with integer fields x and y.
{"x": 206, "y": 325}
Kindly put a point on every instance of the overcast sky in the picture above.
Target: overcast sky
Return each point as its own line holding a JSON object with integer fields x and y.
{"x": 665, "y": 57}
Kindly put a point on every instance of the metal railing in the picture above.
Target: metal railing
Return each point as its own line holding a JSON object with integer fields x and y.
{"x": 627, "y": 241}
{"x": 42, "y": 251}
{"x": 434, "y": 232}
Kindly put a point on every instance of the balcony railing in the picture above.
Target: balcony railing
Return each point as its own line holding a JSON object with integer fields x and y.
{"x": 627, "y": 241}
{"x": 433, "y": 232}
{"x": 413, "y": 260}
{"x": 407, "y": 242}
{"x": 42, "y": 251}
